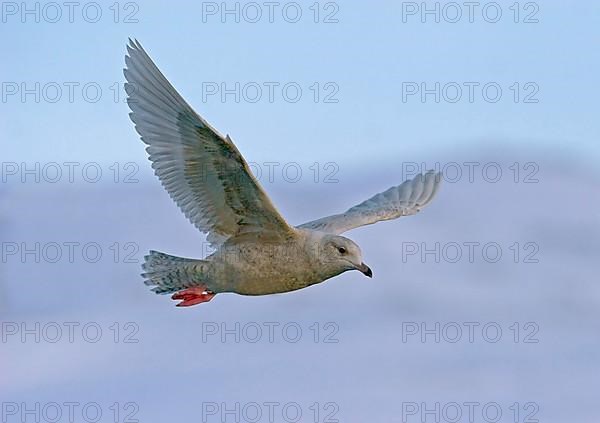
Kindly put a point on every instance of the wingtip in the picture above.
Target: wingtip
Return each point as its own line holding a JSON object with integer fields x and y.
{"x": 437, "y": 175}
{"x": 133, "y": 44}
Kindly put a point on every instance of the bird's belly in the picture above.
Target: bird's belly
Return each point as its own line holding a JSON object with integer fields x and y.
{"x": 265, "y": 285}
{"x": 256, "y": 272}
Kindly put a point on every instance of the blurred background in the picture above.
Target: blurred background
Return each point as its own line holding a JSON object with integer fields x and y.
{"x": 483, "y": 308}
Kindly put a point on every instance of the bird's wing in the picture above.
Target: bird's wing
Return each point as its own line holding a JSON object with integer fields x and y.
{"x": 403, "y": 200}
{"x": 202, "y": 171}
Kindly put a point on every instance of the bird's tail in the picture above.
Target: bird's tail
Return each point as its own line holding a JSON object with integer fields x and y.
{"x": 170, "y": 274}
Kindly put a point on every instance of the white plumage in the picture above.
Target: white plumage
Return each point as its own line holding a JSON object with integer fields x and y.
{"x": 257, "y": 251}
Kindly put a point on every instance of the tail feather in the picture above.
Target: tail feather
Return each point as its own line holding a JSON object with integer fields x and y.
{"x": 170, "y": 274}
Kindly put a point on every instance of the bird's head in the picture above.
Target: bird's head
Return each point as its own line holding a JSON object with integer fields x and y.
{"x": 341, "y": 254}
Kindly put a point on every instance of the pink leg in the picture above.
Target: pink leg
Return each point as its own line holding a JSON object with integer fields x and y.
{"x": 193, "y": 296}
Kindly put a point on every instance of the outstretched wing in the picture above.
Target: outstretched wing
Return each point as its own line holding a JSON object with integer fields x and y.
{"x": 202, "y": 171}
{"x": 403, "y": 200}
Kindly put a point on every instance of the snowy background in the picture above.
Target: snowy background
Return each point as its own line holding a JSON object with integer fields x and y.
{"x": 375, "y": 361}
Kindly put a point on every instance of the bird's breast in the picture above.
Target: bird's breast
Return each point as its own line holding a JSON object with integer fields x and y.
{"x": 254, "y": 269}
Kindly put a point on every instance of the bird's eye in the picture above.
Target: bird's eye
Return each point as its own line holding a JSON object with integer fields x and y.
{"x": 341, "y": 250}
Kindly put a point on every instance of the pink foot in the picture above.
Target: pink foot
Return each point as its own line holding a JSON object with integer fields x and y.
{"x": 193, "y": 296}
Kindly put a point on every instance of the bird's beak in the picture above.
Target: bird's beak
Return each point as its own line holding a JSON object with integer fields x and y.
{"x": 366, "y": 270}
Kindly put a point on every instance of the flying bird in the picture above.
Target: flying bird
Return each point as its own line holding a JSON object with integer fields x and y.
{"x": 256, "y": 251}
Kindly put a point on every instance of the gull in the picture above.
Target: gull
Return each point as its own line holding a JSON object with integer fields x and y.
{"x": 256, "y": 252}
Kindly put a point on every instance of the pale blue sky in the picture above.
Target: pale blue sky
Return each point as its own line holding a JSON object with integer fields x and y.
{"x": 368, "y": 54}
